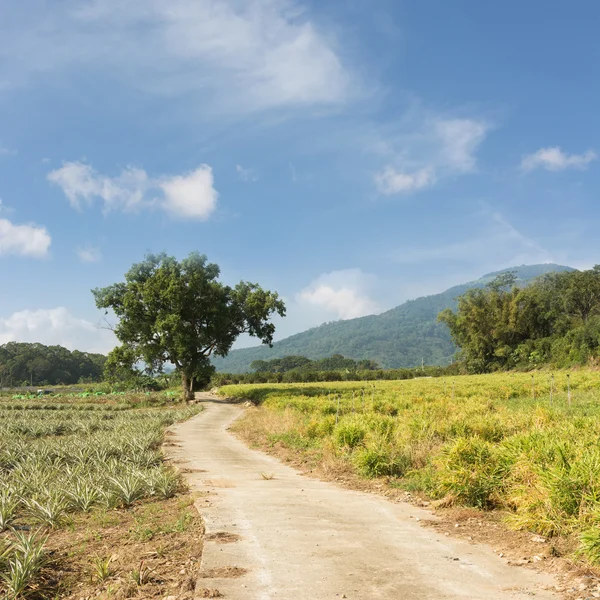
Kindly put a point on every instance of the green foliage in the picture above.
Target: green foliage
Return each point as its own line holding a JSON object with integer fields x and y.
{"x": 350, "y": 433}
{"x": 471, "y": 472}
{"x": 178, "y": 312}
{"x": 555, "y": 319}
{"x": 301, "y": 364}
{"x": 36, "y": 364}
{"x": 399, "y": 338}
{"x": 309, "y": 375}
{"x": 590, "y": 545}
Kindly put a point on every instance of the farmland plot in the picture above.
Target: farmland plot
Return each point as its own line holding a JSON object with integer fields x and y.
{"x": 67, "y": 466}
{"x": 525, "y": 445}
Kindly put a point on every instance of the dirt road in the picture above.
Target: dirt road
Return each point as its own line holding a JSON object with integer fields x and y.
{"x": 296, "y": 538}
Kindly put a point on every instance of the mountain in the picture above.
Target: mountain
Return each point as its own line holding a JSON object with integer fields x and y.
{"x": 400, "y": 337}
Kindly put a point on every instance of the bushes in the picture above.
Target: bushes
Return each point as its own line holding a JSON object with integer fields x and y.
{"x": 379, "y": 459}
{"x": 471, "y": 471}
{"x": 350, "y": 433}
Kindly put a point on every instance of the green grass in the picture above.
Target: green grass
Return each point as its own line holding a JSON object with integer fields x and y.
{"x": 492, "y": 441}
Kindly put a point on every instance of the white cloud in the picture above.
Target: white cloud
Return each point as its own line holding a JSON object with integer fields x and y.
{"x": 459, "y": 140}
{"x": 81, "y": 184}
{"x": 192, "y": 195}
{"x": 434, "y": 149}
{"x": 56, "y": 326}
{"x": 4, "y": 151}
{"x": 89, "y": 254}
{"x": 245, "y": 54}
{"x": 554, "y": 159}
{"x": 23, "y": 240}
{"x": 341, "y": 293}
{"x": 246, "y": 175}
{"x": 389, "y": 181}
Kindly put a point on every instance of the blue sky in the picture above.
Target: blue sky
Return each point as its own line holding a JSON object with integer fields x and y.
{"x": 349, "y": 155}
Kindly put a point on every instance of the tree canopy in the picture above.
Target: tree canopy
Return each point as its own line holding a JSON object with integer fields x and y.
{"x": 36, "y": 364}
{"x": 177, "y": 312}
{"x": 337, "y": 362}
{"x": 555, "y": 319}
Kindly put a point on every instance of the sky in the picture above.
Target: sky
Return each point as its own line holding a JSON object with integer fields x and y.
{"x": 349, "y": 155}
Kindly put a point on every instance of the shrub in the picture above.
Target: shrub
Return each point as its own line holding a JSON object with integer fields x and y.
{"x": 349, "y": 434}
{"x": 471, "y": 472}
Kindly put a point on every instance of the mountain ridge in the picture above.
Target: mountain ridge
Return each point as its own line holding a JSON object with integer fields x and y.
{"x": 403, "y": 336}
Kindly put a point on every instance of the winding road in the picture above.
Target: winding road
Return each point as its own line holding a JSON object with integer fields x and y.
{"x": 296, "y": 538}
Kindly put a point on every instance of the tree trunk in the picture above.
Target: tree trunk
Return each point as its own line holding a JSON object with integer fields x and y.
{"x": 188, "y": 387}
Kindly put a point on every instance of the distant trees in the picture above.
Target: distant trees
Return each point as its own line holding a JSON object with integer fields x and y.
{"x": 555, "y": 319}
{"x": 337, "y": 362}
{"x": 36, "y": 364}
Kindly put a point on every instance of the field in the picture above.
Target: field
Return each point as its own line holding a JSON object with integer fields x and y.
{"x": 87, "y": 504}
{"x": 525, "y": 446}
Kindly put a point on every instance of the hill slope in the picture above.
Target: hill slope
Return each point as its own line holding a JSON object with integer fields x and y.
{"x": 400, "y": 337}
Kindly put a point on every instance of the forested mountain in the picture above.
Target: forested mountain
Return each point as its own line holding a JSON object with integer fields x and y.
{"x": 400, "y": 337}
{"x": 36, "y": 364}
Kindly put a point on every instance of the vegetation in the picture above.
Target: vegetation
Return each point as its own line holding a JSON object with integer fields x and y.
{"x": 402, "y": 337}
{"x": 179, "y": 313}
{"x": 554, "y": 320}
{"x": 36, "y": 364}
{"x": 522, "y": 443}
{"x": 59, "y": 459}
{"x": 337, "y": 362}
{"x": 305, "y": 375}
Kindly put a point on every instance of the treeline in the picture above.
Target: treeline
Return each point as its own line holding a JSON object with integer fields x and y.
{"x": 555, "y": 320}
{"x": 298, "y": 376}
{"x": 337, "y": 362}
{"x": 35, "y": 364}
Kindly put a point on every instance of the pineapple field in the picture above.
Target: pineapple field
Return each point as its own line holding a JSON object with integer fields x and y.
{"x": 70, "y": 469}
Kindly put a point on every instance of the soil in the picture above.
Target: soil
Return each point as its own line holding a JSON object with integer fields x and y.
{"x": 160, "y": 540}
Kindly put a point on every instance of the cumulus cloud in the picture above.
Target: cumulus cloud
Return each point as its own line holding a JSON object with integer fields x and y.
{"x": 390, "y": 181}
{"x": 192, "y": 195}
{"x": 89, "y": 254}
{"x": 435, "y": 149}
{"x": 56, "y": 326}
{"x": 246, "y": 175}
{"x": 189, "y": 196}
{"x": 23, "y": 240}
{"x": 245, "y": 54}
{"x": 554, "y": 159}
{"x": 341, "y": 293}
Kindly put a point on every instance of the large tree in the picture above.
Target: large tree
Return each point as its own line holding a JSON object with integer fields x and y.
{"x": 178, "y": 312}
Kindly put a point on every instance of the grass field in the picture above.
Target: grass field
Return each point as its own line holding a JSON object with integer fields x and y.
{"x": 72, "y": 464}
{"x": 515, "y": 442}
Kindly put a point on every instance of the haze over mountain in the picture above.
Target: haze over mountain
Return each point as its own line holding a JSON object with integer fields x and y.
{"x": 401, "y": 337}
